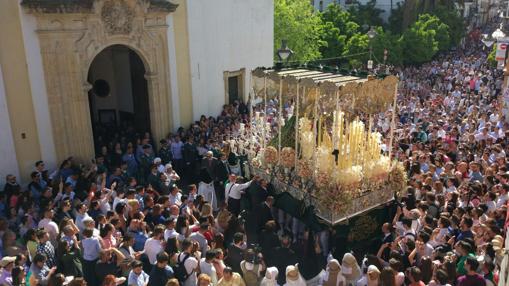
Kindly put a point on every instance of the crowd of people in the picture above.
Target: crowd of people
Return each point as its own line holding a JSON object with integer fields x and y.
{"x": 179, "y": 212}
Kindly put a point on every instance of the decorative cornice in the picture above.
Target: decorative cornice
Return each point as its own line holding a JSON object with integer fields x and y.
{"x": 162, "y": 6}
{"x": 86, "y": 6}
{"x": 59, "y": 6}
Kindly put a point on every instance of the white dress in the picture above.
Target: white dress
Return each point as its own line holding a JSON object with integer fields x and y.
{"x": 209, "y": 194}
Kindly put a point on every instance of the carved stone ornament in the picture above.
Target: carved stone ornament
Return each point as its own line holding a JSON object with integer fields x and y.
{"x": 117, "y": 17}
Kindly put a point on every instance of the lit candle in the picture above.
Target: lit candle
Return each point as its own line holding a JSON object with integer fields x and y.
{"x": 333, "y": 129}
{"x": 257, "y": 115}
{"x": 241, "y": 127}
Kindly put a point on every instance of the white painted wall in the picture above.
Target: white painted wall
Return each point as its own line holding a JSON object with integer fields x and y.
{"x": 8, "y": 162}
{"x": 38, "y": 88}
{"x": 172, "y": 58}
{"x": 226, "y": 35}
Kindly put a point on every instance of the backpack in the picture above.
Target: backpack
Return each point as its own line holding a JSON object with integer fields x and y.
{"x": 250, "y": 276}
{"x": 180, "y": 271}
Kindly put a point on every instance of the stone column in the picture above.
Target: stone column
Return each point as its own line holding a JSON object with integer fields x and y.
{"x": 159, "y": 117}
{"x": 67, "y": 97}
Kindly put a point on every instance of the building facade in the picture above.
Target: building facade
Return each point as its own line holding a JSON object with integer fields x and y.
{"x": 385, "y": 5}
{"x": 68, "y": 65}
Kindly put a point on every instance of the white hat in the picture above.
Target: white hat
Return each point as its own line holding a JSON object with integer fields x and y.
{"x": 157, "y": 160}
{"x": 6, "y": 260}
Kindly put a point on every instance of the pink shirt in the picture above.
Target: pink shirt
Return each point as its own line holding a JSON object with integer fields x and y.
{"x": 109, "y": 242}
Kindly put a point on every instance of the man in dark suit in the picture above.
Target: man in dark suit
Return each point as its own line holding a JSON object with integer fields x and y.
{"x": 190, "y": 157}
{"x": 220, "y": 174}
{"x": 282, "y": 257}
{"x": 386, "y": 240}
{"x": 265, "y": 212}
{"x": 256, "y": 194}
{"x": 235, "y": 253}
{"x": 209, "y": 163}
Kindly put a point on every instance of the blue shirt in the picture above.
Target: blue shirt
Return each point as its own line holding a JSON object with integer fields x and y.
{"x": 176, "y": 150}
{"x": 132, "y": 164}
{"x": 138, "y": 280}
{"x": 37, "y": 192}
{"x": 465, "y": 234}
{"x": 91, "y": 248}
{"x": 159, "y": 276}
{"x": 72, "y": 182}
{"x": 139, "y": 240}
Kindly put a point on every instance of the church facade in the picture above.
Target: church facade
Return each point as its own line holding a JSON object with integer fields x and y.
{"x": 66, "y": 65}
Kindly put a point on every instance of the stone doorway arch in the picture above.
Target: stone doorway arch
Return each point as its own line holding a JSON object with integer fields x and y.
{"x": 119, "y": 100}
{"x": 72, "y": 34}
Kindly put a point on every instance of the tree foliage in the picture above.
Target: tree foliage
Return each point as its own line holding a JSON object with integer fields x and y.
{"x": 340, "y": 19}
{"x": 338, "y": 28}
{"x": 491, "y": 57}
{"x": 452, "y": 18}
{"x": 296, "y": 22}
{"x": 429, "y": 22}
{"x": 416, "y": 31}
{"x": 385, "y": 40}
{"x": 335, "y": 41}
{"x": 396, "y": 20}
{"x": 419, "y": 44}
{"x": 358, "y": 43}
{"x": 366, "y": 14}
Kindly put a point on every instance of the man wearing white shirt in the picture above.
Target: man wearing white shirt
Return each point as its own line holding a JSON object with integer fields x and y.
{"x": 490, "y": 198}
{"x": 49, "y": 225}
{"x": 81, "y": 214}
{"x": 199, "y": 237}
{"x": 233, "y": 193}
{"x": 502, "y": 196}
{"x": 170, "y": 231}
{"x": 207, "y": 267}
{"x": 154, "y": 245}
{"x": 119, "y": 198}
{"x": 175, "y": 196}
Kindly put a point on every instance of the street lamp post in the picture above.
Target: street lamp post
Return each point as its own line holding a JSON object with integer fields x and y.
{"x": 371, "y": 35}
{"x": 284, "y": 53}
{"x": 488, "y": 41}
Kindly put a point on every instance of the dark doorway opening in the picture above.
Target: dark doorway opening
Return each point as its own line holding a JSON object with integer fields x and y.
{"x": 118, "y": 101}
{"x": 233, "y": 89}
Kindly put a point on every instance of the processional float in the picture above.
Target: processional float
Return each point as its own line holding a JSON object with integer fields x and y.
{"x": 312, "y": 134}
